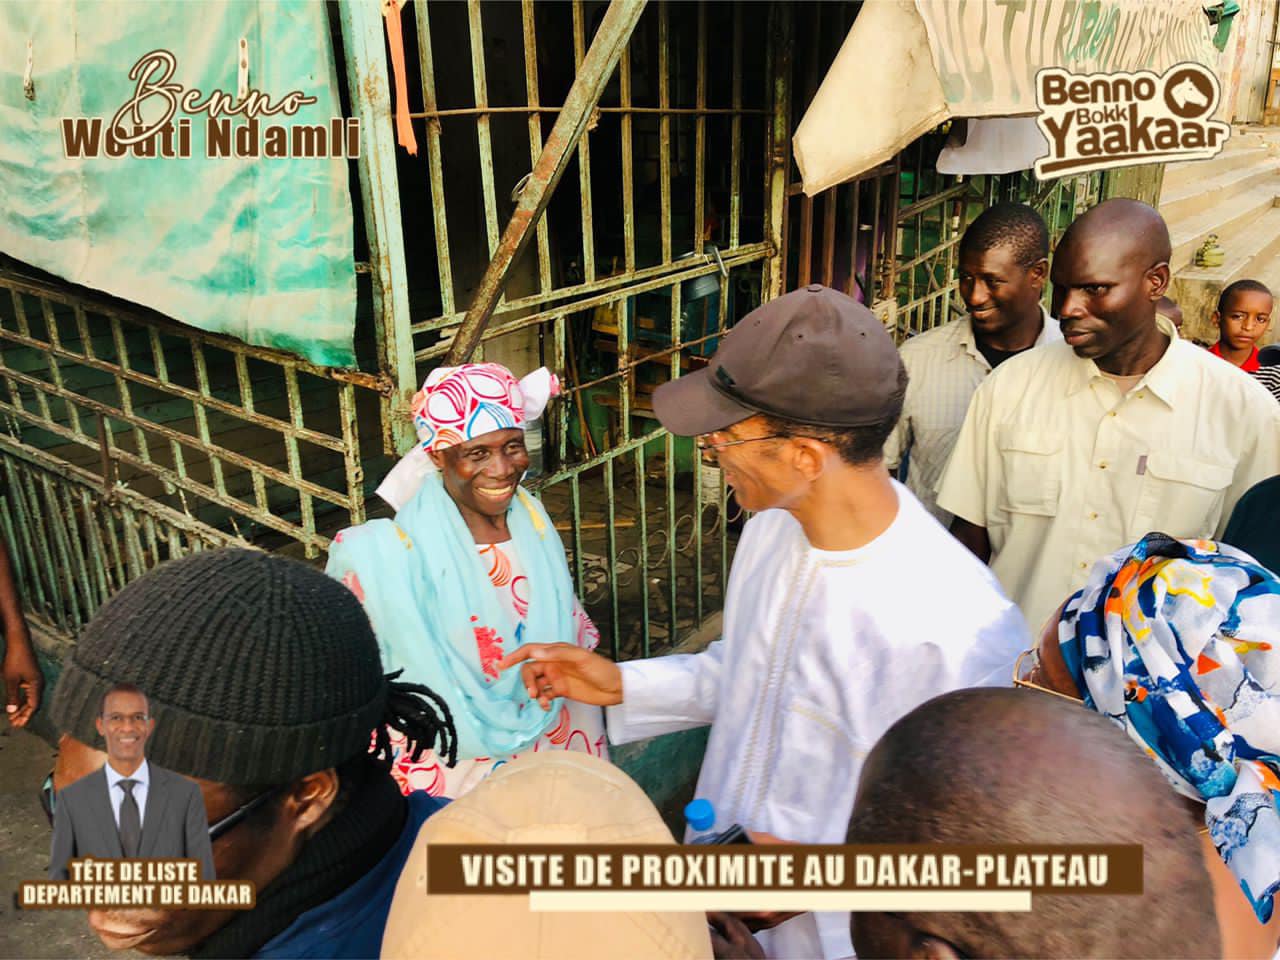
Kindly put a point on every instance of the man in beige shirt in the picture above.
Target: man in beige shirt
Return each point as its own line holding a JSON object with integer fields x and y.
{"x": 1073, "y": 450}
{"x": 1004, "y": 264}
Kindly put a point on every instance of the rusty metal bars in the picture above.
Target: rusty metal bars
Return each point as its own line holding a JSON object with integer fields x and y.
{"x": 778, "y": 148}
{"x": 584, "y": 154}
{"x": 645, "y": 281}
{"x": 735, "y": 134}
{"x": 72, "y": 548}
{"x": 596, "y": 68}
{"x": 664, "y": 126}
{"x": 530, "y": 36}
{"x": 435, "y": 161}
{"x": 485, "y": 141}
{"x": 180, "y": 413}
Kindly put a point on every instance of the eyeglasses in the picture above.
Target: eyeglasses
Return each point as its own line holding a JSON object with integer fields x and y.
{"x": 240, "y": 813}
{"x": 1026, "y": 671}
{"x": 708, "y": 447}
{"x": 49, "y": 800}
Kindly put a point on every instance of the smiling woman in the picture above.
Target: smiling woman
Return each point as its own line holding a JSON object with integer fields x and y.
{"x": 469, "y": 569}
{"x": 480, "y": 477}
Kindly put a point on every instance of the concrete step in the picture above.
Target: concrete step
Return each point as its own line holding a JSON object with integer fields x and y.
{"x": 1256, "y": 242}
{"x": 1247, "y": 136}
{"x": 1251, "y": 252}
{"x": 1179, "y": 176}
{"x": 1189, "y": 233}
{"x": 1255, "y": 133}
{"x": 1201, "y": 195}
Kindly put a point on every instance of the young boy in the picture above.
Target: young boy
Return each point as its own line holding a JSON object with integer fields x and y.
{"x": 1243, "y": 316}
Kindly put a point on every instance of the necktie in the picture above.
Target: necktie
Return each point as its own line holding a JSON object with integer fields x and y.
{"x": 130, "y": 820}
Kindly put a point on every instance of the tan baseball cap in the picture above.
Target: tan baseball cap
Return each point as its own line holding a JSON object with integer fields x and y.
{"x": 555, "y": 797}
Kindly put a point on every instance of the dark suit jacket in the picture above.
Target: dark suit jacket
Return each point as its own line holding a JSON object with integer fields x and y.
{"x": 174, "y": 824}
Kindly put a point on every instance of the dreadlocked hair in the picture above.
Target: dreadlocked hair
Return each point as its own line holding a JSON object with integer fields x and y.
{"x": 422, "y": 716}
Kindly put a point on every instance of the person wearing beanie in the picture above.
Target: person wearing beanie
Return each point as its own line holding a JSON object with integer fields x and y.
{"x": 848, "y": 603}
{"x": 264, "y": 679}
{"x": 469, "y": 569}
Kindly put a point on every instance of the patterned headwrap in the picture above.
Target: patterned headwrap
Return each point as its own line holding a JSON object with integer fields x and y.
{"x": 457, "y": 404}
{"x": 1177, "y": 641}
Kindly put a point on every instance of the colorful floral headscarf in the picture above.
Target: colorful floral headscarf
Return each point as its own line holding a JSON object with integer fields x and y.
{"x": 1179, "y": 643}
{"x": 457, "y": 404}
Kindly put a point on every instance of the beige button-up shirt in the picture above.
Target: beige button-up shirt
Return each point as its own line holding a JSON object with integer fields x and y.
{"x": 945, "y": 367}
{"x": 1062, "y": 469}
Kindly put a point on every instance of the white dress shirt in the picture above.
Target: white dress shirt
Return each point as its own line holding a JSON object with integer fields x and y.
{"x": 945, "y": 367}
{"x": 142, "y": 778}
{"x": 822, "y": 651}
{"x": 1063, "y": 467}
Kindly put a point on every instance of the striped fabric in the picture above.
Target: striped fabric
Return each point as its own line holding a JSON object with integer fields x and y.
{"x": 1269, "y": 377}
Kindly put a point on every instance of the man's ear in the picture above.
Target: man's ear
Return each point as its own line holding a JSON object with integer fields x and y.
{"x": 931, "y": 948}
{"x": 1039, "y": 272}
{"x": 97, "y": 722}
{"x": 437, "y": 458}
{"x": 308, "y": 799}
{"x": 1158, "y": 276}
{"x": 810, "y": 457}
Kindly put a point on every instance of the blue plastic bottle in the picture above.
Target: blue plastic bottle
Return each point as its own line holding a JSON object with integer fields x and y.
{"x": 700, "y": 814}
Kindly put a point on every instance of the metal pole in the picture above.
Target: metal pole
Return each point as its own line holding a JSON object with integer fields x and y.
{"x": 380, "y": 196}
{"x": 598, "y": 65}
{"x": 779, "y": 156}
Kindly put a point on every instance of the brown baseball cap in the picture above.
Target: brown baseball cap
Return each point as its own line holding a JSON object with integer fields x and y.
{"x": 813, "y": 356}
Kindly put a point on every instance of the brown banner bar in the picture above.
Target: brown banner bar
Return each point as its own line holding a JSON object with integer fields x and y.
{"x": 1057, "y": 869}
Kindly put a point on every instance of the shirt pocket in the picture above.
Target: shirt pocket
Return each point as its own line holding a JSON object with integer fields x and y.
{"x": 1181, "y": 496}
{"x": 1031, "y": 461}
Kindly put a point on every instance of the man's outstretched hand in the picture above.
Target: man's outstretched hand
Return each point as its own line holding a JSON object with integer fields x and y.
{"x": 563, "y": 670}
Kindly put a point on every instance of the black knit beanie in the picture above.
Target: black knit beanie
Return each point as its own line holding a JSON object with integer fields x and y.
{"x": 257, "y": 669}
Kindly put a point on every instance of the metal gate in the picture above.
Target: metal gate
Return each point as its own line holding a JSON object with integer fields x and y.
{"x": 127, "y": 438}
{"x": 662, "y": 233}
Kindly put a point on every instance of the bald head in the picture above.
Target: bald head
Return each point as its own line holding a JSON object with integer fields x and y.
{"x": 1109, "y": 271}
{"x": 1124, "y": 225}
{"x": 1016, "y": 766}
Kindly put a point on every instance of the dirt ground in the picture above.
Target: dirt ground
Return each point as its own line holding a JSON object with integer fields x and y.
{"x": 25, "y": 759}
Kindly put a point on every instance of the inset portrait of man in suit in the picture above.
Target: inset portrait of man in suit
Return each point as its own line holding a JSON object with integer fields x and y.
{"x": 129, "y": 807}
